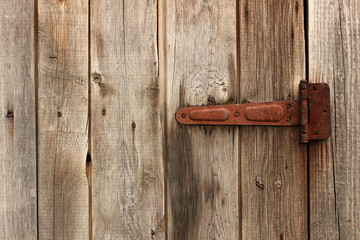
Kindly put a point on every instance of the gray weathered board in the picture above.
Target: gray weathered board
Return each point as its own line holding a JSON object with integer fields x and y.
{"x": 90, "y": 148}
{"x": 18, "y": 208}
{"x": 334, "y": 57}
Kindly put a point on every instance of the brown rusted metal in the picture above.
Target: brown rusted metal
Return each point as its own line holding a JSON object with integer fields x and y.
{"x": 319, "y": 111}
{"x": 304, "y": 111}
{"x": 272, "y": 114}
{"x": 311, "y": 113}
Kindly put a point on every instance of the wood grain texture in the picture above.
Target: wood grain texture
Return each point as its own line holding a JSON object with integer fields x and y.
{"x": 63, "y": 119}
{"x": 198, "y": 63}
{"x": 273, "y": 162}
{"x": 334, "y": 53}
{"x": 126, "y": 138}
{"x": 17, "y": 121}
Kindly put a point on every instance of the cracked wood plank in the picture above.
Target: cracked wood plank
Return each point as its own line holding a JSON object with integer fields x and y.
{"x": 334, "y": 53}
{"x": 126, "y": 134}
{"x": 198, "y": 43}
{"x": 273, "y": 162}
{"x": 63, "y": 119}
{"x": 17, "y": 121}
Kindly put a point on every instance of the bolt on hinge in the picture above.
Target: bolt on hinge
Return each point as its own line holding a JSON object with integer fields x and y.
{"x": 311, "y": 113}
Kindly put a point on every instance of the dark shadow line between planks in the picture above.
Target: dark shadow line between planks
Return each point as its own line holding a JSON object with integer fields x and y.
{"x": 88, "y": 157}
{"x": 238, "y": 82}
{"x": 36, "y": 86}
{"x": 307, "y": 75}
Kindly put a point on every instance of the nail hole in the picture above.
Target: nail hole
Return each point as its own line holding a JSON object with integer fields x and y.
{"x": 288, "y": 106}
{"x": 88, "y": 158}
{"x": 133, "y": 125}
{"x": 236, "y": 114}
{"x": 325, "y": 110}
{"x": 183, "y": 115}
{"x": 9, "y": 114}
{"x": 59, "y": 114}
{"x": 316, "y": 132}
{"x": 315, "y": 88}
{"x": 103, "y": 112}
{"x": 288, "y": 119}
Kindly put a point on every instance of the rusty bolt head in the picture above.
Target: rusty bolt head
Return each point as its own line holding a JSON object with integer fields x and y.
{"x": 316, "y": 132}
{"x": 303, "y": 81}
{"x": 236, "y": 114}
{"x": 183, "y": 115}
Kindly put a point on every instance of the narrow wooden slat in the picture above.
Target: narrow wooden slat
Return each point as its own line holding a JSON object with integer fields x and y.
{"x": 273, "y": 162}
{"x": 63, "y": 119}
{"x": 334, "y": 57}
{"x": 198, "y": 67}
{"x": 126, "y": 138}
{"x": 17, "y": 121}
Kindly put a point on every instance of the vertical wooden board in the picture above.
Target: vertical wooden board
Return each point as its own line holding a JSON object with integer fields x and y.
{"x": 198, "y": 52}
{"x": 63, "y": 119}
{"x": 273, "y": 162}
{"x": 334, "y": 53}
{"x": 126, "y": 138}
{"x": 17, "y": 121}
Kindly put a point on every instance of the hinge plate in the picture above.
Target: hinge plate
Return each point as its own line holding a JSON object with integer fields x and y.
{"x": 319, "y": 111}
{"x": 311, "y": 112}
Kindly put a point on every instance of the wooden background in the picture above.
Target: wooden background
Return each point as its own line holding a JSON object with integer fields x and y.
{"x": 90, "y": 148}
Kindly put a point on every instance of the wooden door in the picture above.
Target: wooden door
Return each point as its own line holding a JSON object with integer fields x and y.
{"x": 90, "y": 148}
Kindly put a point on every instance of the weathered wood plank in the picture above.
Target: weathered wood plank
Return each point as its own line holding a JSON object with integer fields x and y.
{"x": 126, "y": 138}
{"x": 17, "y": 121}
{"x": 63, "y": 119}
{"x": 273, "y": 163}
{"x": 334, "y": 57}
{"x": 198, "y": 56}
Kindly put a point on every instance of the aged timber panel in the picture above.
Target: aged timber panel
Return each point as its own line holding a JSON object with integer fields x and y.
{"x": 198, "y": 67}
{"x": 334, "y": 57}
{"x": 273, "y": 162}
{"x": 63, "y": 119}
{"x": 17, "y": 121}
{"x": 126, "y": 139}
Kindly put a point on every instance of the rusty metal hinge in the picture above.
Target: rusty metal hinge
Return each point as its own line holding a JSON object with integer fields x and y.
{"x": 311, "y": 113}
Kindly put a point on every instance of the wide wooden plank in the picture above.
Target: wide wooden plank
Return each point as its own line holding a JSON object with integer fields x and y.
{"x": 63, "y": 119}
{"x": 17, "y": 121}
{"x": 198, "y": 67}
{"x": 126, "y": 138}
{"x": 273, "y": 162}
{"x": 334, "y": 57}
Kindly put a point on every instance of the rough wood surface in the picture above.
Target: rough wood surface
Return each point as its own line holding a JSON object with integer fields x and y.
{"x": 17, "y": 121}
{"x": 334, "y": 57}
{"x": 273, "y": 162}
{"x": 63, "y": 119}
{"x": 198, "y": 67}
{"x": 126, "y": 139}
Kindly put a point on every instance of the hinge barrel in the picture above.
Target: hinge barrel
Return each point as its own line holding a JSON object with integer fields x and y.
{"x": 304, "y": 111}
